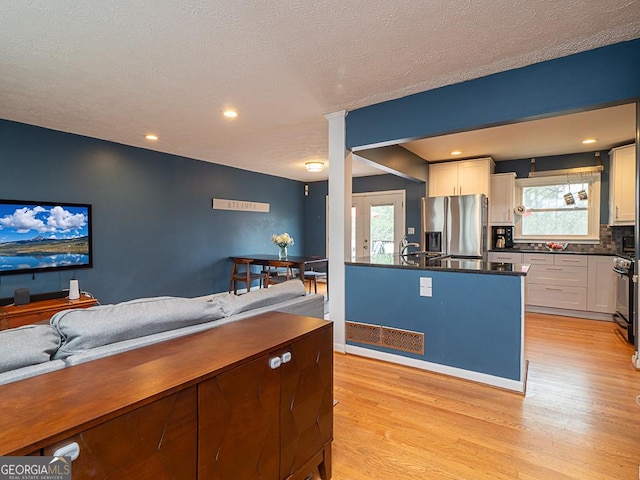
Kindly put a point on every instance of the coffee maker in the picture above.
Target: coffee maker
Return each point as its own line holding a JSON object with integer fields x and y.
{"x": 502, "y": 237}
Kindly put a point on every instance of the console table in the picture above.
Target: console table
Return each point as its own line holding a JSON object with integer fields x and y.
{"x": 12, "y": 316}
{"x": 249, "y": 399}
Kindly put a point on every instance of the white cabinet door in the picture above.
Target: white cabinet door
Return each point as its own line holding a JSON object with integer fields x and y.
{"x": 443, "y": 179}
{"x": 601, "y": 285}
{"x": 460, "y": 178}
{"x": 622, "y": 186}
{"x": 474, "y": 177}
{"x": 501, "y": 198}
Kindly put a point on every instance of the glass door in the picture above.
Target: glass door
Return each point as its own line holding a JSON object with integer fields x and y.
{"x": 377, "y": 223}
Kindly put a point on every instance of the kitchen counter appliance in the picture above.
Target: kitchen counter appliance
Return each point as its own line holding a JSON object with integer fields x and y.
{"x": 624, "y": 265}
{"x": 502, "y": 237}
{"x": 455, "y": 225}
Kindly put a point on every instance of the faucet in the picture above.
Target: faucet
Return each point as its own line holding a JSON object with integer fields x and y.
{"x": 404, "y": 245}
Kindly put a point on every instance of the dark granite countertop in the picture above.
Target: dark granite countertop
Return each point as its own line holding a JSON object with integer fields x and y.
{"x": 466, "y": 265}
{"x": 568, "y": 251}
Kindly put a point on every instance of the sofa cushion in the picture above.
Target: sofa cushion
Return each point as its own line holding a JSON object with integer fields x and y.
{"x": 309, "y": 305}
{"x": 233, "y": 304}
{"x": 84, "y": 329}
{"x": 28, "y": 345}
{"x": 31, "y": 371}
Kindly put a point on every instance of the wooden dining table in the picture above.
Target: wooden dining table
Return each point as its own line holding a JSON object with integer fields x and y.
{"x": 302, "y": 263}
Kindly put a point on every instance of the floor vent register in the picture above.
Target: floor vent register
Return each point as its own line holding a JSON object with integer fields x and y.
{"x": 394, "y": 338}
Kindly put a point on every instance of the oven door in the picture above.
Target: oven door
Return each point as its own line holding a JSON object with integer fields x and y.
{"x": 622, "y": 295}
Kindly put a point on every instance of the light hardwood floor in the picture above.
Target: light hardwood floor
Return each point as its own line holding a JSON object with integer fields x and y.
{"x": 579, "y": 419}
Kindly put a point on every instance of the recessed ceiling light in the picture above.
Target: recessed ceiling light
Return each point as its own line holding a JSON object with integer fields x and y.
{"x": 151, "y": 137}
{"x": 314, "y": 166}
{"x": 589, "y": 140}
{"x": 230, "y": 113}
{"x": 456, "y": 152}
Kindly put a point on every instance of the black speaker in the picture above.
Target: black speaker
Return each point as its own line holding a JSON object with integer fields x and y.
{"x": 21, "y": 296}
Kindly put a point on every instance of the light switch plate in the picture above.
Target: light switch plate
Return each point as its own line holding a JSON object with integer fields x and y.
{"x": 426, "y": 287}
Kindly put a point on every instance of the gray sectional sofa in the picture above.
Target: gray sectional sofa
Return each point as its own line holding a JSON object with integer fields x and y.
{"x": 78, "y": 336}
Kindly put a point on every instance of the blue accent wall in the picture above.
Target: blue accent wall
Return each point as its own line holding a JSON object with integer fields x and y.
{"x": 315, "y": 225}
{"x": 603, "y": 76}
{"x": 154, "y": 229}
{"x": 472, "y": 321}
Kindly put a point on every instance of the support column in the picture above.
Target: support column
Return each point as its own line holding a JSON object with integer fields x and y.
{"x": 339, "y": 222}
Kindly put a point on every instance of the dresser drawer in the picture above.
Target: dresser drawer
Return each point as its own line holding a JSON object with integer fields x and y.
{"x": 571, "y": 260}
{"x": 12, "y": 316}
{"x": 573, "y": 298}
{"x": 553, "y": 275}
{"x": 537, "y": 258}
{"x": 504, "y": 257}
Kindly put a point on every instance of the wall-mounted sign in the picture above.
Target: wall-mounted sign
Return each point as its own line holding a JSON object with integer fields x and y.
{"x": 240, "y": 205}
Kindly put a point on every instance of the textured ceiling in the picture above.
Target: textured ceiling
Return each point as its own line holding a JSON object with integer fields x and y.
{"x": 119, "y": 69}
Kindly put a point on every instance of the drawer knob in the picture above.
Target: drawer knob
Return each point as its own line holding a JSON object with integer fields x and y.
{"x": 72, "y": 450}
{"x": 275, "y": 362}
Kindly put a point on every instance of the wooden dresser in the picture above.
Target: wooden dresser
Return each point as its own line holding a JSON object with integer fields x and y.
{"x": 249, "y": 399}
{"x": 13, "y": 316}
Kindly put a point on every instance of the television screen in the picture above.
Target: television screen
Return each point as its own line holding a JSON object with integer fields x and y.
{"x": 41, "y": 236}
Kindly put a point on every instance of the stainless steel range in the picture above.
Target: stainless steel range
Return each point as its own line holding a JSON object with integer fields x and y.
{"x": 623, "y": 265}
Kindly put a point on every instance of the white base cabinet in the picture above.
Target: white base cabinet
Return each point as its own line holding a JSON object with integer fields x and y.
{"x": 601, "y": 285}
{"x": 579, "y": 285}
{"x": 557, "y": 280}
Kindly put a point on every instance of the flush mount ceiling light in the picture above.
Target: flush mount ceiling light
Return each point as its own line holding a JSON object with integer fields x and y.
{"x": 587, "y": 141}
{"x": 151, "y": 136}
{"x": 230, "y": 113}
{"x": 456, "y": 152}
{"x": 314, "y": 166}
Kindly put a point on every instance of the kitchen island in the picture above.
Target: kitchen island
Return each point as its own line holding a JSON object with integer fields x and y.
{"x": 460, "y": 317}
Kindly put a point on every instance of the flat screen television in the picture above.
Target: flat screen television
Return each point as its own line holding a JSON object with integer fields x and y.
{"x": 44, "y": 236}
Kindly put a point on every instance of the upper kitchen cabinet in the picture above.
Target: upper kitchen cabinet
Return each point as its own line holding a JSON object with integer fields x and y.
{"x": 502, "y": 198}
{"x": 622, "y": 186}
{"x": 460, "y": 178}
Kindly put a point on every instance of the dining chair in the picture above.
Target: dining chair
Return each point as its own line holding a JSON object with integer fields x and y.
{"x": 241, "y": 273}
{"x": 278, "y": 272}
{"x": 312, "y": 277}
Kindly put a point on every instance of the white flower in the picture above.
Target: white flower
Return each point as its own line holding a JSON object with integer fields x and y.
{"x": 282, "y": 240}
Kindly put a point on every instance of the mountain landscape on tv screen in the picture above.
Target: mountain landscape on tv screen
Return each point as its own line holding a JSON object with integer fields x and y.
{"x": 40, "y": 247}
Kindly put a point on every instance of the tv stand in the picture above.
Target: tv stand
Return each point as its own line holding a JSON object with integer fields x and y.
{"x": 12, "y": 316}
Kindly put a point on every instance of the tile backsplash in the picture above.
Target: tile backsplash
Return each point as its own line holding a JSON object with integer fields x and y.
{"x": 610, "y": 241}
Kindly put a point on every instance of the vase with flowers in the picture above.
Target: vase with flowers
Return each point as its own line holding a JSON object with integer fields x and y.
{"x": 283, "y": 241}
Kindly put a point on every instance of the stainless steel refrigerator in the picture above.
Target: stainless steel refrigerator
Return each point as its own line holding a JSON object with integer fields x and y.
{"x": 455, "y": 225}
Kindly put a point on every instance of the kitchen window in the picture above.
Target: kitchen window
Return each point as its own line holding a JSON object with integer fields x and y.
{"x": 559, "y": 207}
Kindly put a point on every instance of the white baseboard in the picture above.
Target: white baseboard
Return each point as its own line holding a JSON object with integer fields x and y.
{"x": 504, "y": 383}
{"x": 607, "y": 317}
{"x": 635, "y": 361}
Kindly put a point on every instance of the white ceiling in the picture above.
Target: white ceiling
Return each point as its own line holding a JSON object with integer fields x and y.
{"x": 119, "y": 69}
